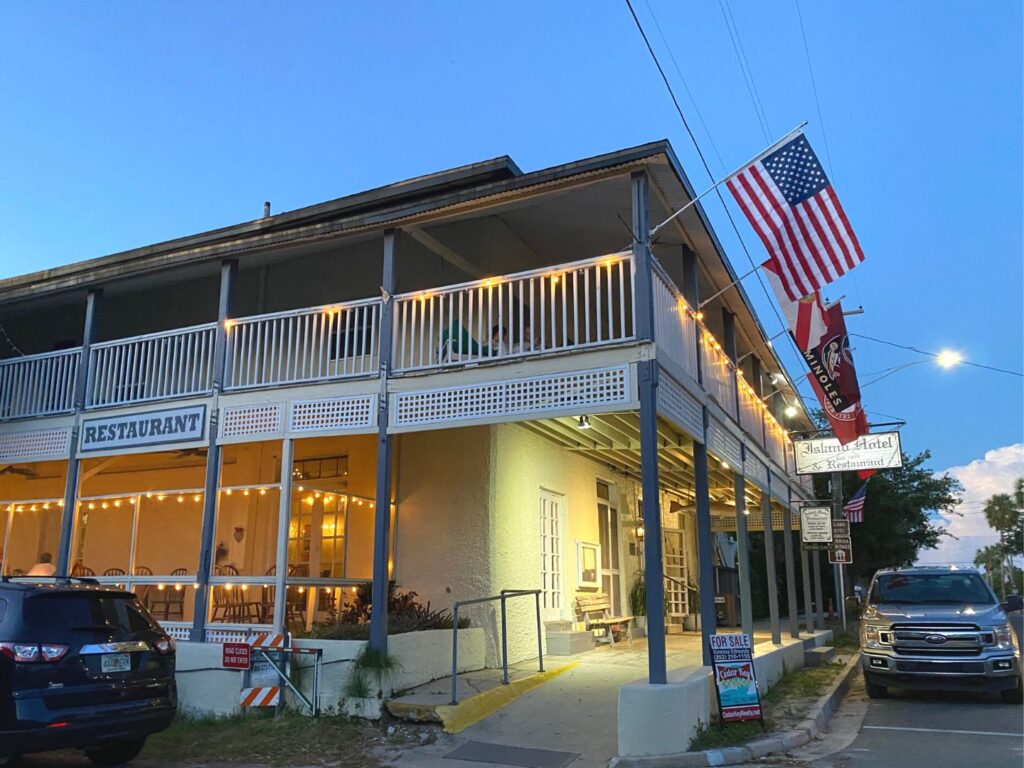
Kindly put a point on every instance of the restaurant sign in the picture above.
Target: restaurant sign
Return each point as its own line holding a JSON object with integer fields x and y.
{"x": 815, "y": 527}
{"x": 879, "y": 451}
{"x": 735, "y": 682}
{"x": 136, "y": 430}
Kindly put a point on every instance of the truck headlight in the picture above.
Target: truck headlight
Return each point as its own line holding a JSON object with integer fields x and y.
{"x": 1003, "y": 636}
{"x": 876, "y": 636}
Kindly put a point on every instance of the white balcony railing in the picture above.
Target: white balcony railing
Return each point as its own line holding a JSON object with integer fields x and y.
{"x": 775, "y": 442}
{"x": 718, "y": 378}
{"x": 750, "y": 412}
{"x": 675, "y": 330}
{"x": 321, "y": 343}
{"x": 159, "y": 366}
{"x": 38, "y": 385}
{"x": 570, "y": 307}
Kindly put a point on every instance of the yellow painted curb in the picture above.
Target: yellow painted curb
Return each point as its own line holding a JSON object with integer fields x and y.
{"x": 458, "y": 717}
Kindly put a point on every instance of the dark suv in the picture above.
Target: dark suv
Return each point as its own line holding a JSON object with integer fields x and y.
{"x": 82, "y": 666}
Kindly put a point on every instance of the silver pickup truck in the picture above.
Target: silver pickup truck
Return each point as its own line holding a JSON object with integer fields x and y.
{"x": 939, "y": 628}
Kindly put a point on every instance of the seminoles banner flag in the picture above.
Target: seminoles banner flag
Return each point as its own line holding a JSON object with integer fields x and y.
{"x": 834, "y": 379}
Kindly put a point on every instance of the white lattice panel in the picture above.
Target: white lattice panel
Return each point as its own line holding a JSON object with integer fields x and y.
{"x": 755, "y": 471}
{"x": 227, "y": 635}
{"x": 755, "y": 521}
{"x": 248, "y": 420}
{"x": 333, "y": 414}
{"x": 723, "y": 444}
{"x": 35, "y": 446}
{"x": 679, "y": 406}
{"x": 537, "y": 394}
{"x": 177, "y": 631}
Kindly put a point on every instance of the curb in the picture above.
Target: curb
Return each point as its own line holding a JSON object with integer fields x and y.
{"x": 808, "y": 729}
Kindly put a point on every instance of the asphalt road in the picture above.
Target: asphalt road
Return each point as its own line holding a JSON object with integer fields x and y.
{"x": 917, "y": 730}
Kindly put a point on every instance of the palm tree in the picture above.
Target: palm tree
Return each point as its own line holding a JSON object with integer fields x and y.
{"x": 1003, "y": 511}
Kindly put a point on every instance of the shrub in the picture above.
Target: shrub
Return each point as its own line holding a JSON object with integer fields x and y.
{"x": 405, "y": 614}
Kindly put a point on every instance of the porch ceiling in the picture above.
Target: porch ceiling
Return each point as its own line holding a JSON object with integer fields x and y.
{"x": 614, "y": 441}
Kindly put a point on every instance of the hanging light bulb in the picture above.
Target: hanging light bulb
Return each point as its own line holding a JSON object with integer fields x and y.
{"x": 583, "y": 422}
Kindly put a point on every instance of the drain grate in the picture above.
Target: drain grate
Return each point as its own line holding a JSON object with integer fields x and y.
{"x": 500, "y": 754}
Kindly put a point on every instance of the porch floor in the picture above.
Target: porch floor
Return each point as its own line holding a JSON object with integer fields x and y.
{"x": 577, "y": 711}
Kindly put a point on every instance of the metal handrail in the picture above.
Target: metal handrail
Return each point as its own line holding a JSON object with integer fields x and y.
{"x": 503, "y": 597}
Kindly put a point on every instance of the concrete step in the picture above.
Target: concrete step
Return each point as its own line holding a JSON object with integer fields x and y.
{"x": 820, "y": 656}
{"x": 569, "y": 643}
{"x": 437, "y": 708}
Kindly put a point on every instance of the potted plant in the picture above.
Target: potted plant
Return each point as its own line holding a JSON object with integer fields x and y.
{"x": 367, "y": 683}
{"x": 691, "y": 622}
{"x": 638, "y": 602}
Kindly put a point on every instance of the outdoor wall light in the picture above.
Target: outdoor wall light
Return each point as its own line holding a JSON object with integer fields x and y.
{"x": 584, "y": 422}
{"x": 639, "y": 531}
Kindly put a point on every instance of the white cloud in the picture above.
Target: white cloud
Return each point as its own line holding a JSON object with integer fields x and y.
{"x": 981, "y": 479}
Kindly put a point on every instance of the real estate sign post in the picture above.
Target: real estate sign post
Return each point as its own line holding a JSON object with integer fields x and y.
{"x": 735, "y": 683}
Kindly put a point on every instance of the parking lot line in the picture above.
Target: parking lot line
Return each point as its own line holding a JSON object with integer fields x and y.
{"x": 940, "y": 730}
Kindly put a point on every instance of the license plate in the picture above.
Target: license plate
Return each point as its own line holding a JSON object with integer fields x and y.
{"x": 116, "y": 662}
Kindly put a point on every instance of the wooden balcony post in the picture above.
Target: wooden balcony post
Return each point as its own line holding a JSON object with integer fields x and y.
{"x": 382, "y": 510}
{"x": 82, "y": 378}
{"x": 225, "y": 309}
{"x": 769, "y": 561}
{"x": 743, "y": 544}
{"x": 787, "y": 530}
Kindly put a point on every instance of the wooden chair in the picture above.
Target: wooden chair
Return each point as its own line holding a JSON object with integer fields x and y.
{"x": 169, "y": 603}
{"x": 142, "y": 590}
{"x": 596, "y": 609}
{"x": 81, "y": 571}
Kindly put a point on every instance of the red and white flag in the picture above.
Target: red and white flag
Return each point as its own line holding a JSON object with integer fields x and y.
{"x": 791, "y": 205}
{"x": 806, "y": 318}
{"x": 834, "y": 379}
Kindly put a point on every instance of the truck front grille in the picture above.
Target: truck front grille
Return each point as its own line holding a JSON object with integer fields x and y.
{"x": 938, "y": 639}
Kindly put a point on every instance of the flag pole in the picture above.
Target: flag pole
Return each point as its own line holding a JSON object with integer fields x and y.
{"x": 715, "y": 186}
{"x": 715, "y": 295}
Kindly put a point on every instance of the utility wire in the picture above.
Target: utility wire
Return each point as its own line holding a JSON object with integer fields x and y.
{"x": 686, "y": 87}
{"x": 707, "y": 168}
{"x": 934, "y": 355}
{"x": 828, "y": 152}
{"x": 11, "y": 344}
{"x": 748, "y": 74}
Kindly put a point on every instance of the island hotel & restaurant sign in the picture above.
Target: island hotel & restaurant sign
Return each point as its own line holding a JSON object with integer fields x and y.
{"x": 878, "y": 451}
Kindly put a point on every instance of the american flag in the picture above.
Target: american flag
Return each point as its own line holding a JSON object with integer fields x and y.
{"x": 854, "y": 508}
{"x": 790, "y": 203}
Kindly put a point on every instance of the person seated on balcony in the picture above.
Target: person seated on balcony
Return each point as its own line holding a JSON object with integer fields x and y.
{"x": 528, "y": 342}
{"x": 499, "y": 342}
{"x": 44, "y": 567}
{"x": 456, "y": 343}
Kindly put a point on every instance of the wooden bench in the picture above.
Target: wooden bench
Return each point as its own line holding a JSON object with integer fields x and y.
{"x": 596, "y": 609}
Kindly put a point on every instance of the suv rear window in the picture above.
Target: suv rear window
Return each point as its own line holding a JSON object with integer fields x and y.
{"x": 930, "y": 588}
{"x": 70, "y": 611}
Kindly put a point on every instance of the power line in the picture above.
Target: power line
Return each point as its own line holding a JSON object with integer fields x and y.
{"x": 707, "y": 168}
{"x": 933, "y": 355}
{"x": 748, "y": 74}
{"x": 686, "y": 87}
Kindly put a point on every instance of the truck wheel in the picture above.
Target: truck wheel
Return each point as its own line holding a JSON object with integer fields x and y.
{"x": 876, "y": 691}
{"x": 117, "y": 753}
{"x": 1013, "y": 695}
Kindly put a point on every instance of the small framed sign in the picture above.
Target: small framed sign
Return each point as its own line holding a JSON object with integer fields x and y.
{"x": 735, "y": 682}
{"x": 588, "y": 565}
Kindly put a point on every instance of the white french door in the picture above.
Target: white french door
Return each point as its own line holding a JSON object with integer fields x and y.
{"x": 552, "y": 548}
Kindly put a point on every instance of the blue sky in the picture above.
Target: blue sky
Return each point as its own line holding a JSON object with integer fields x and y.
{"x": 124, "y": 125}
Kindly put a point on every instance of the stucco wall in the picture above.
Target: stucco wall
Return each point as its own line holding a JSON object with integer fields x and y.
{"x": 525, "y": 463}
{"x": 205, "y": 689}
{"x": 442, "y": 547}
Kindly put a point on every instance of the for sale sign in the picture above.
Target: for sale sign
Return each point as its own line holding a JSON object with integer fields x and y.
{"x": 735, "y": 682}
{"x": 236, "y": 656}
